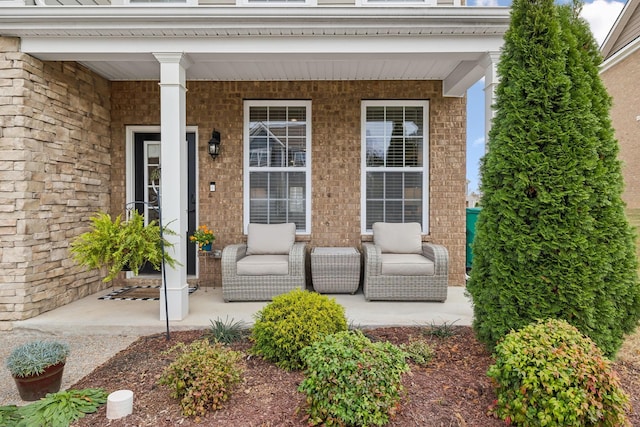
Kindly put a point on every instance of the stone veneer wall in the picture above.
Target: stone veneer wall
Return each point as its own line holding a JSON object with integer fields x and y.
{"x": 335, "y": 154}
{"x": 621, "y": 82}
{"x": 54, "y": 173}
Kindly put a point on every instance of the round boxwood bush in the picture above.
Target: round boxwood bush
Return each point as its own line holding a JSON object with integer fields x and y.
{"x": 549, "y": 374}
{"x": 291, "y": 322}
{"x": 350, "y": 381}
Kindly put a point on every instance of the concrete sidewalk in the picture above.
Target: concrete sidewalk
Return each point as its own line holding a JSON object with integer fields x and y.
{"x": 98, "y": 329}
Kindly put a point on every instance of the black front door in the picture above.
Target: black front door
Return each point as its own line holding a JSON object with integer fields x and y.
{"x": 147, "y": 184}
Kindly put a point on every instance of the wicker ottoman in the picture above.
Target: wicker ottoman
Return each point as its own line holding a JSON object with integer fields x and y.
{"x": 335, "y": 270}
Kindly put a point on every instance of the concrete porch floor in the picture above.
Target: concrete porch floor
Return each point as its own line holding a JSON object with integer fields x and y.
{"x": 94, "y": 316}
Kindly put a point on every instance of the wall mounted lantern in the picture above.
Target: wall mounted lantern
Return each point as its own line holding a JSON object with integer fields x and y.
{"x": 214, "y": 144}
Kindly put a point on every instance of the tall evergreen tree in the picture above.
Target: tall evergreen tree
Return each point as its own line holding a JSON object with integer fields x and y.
{"x": 552, "y": 239}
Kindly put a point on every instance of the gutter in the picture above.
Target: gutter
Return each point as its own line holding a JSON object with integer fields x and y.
{"x": 91, "y": 20}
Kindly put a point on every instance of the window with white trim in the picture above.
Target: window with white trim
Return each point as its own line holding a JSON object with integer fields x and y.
{"x": 157, "y": 2}
{"x": 395, "y": 147}
{"x": 283, "y": 3}
{"x": 399, "y": 3}
{"x": 277, "y": 163}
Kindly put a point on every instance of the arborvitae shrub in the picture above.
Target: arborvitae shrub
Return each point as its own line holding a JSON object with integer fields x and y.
{"x": 549, "y": 374}
{"x": 350, "y": 381}
{"x": 292, "y": 321}
{"x": 552, "y": 240}
{"x": 202, "y": 376}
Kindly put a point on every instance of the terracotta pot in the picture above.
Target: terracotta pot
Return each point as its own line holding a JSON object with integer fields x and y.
{"x": 35, "y": 387}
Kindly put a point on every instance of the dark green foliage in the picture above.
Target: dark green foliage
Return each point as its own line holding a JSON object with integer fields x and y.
{"x": 444, "y": 330}
{"x": 293, "y": 321}
{"x": 202, "y": 376}
{"x": 55, "y": 409}
{"x": 549, "y": 374}
{"x": 226, "y": 331}
{"x": 552, "y": 240}
{"x": 350, "y": 381}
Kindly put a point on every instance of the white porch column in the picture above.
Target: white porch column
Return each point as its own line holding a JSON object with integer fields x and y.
{"x": 490, "y": 83}
{"x": 173, "y": 187}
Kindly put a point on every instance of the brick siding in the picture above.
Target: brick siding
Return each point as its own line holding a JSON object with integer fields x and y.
{"x": 621, "y": 83}
{"x": 336, "y": 115}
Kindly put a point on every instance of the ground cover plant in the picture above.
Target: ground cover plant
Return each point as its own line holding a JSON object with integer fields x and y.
{"x": 55, "y": 409}
{"x": 552, "y": 239}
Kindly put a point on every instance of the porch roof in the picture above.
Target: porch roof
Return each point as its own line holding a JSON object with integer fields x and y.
{"x": 268, "y": 43}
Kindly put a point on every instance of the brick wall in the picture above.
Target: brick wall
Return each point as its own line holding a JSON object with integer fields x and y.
{"x": 54, "y": 173}
{"x": 335, "y": 153}
{"x": 622, "y": 85}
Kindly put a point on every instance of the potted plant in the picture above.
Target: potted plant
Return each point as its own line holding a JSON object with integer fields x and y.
{"x": 118, "y": 244}
{"x": 204, "y": 237}
{"x": 37, "y": 367}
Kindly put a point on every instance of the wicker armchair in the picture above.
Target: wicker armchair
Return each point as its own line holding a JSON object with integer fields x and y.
{"x": 398, "y": 266}
{"x": 269, "y": 264}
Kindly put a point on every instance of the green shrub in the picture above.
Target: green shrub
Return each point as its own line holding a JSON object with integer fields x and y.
{"x": 225, "y": 331}
{"x": 202, "y": 376}
{"x": 293, "y": 321}
{"x": 351, "y": 381}
{"x": 419, "y": 351}
{"x": 548, "y": 374}
{"x": 55, "y": 409}
{"x": 552, "y": 239}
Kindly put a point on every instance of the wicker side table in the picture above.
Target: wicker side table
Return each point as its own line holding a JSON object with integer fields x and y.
{"x": 335, "y": 270}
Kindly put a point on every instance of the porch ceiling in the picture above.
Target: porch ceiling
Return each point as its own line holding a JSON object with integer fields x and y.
{"x": 253, "y": 44}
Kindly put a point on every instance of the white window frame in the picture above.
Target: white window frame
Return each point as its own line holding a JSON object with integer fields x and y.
{"x": 152, "y": 3}
{"x": 396, "y": 3}
{"x": 276, "y": 3}
{"x": 246, "y": 158}
{"x": 425, "y": 159}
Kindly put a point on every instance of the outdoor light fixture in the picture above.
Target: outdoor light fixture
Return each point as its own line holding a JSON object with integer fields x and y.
{"x": 214, "y": 144}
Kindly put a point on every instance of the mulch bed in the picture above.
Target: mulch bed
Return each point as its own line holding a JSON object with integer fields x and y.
{"x": 452, "y": 390}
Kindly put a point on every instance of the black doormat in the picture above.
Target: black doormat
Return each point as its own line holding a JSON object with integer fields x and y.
{"x": 138, "y": 293}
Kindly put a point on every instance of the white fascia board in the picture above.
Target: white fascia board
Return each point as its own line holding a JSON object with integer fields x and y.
{"x": 465, "y": 75}
{"x": 620, "y": 55}
{"x": 145, "y": 21}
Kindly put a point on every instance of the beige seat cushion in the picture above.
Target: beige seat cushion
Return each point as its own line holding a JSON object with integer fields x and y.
{"x": 270, "y": 239}
{"x": 407, "y": 265}
{"x": 263, "y": 265}
{"x": 397, "y": 238}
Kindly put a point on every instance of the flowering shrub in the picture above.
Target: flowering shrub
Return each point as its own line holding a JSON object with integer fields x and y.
{"x": 202, "y": 236}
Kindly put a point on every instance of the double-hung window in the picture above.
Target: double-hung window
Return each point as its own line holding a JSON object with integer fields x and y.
{"x": 395, "y": 147}
{"x": 277, "y": 163}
